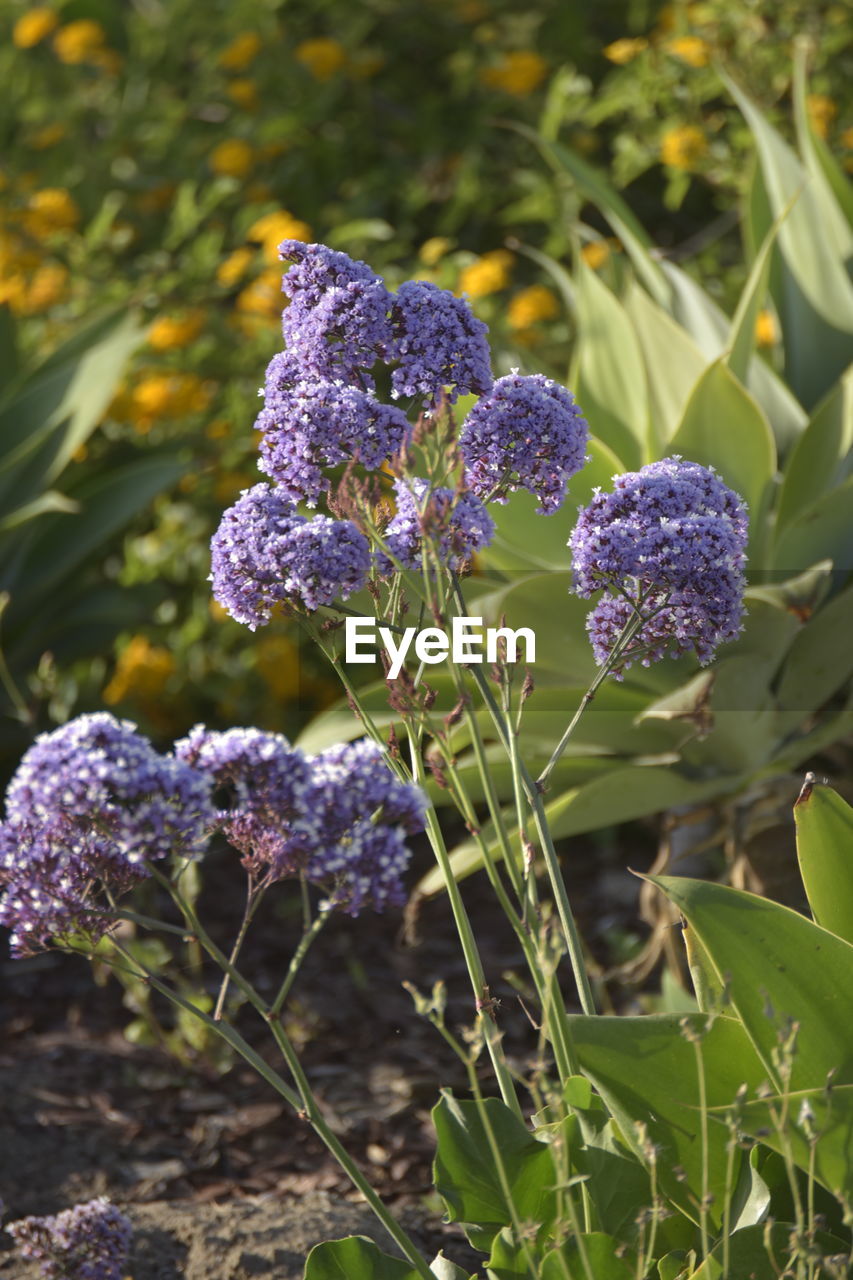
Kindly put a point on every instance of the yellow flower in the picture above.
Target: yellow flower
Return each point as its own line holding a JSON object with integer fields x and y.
{"x": 766, "y": 333}
{"x": 434, "y": 249}
{"x": 272, "y": 228}
{"x": 47, "y": 287}
{"x": 822, "y": 111}
{"x": 242, "y": 51}
{"x": 322, "y": 57}
{"x": 277, "y": 663}
{"x": 32, "y": 27}
{"x": 488, "y": 274}
{"x": 13, "y": 291}
{"x": 690, "y": 49}
{"x": 142, "y": 671}
{"x": 243, "y": 93}
{"x": 234, "y": 267}
{"x": 50, "y": 210}
{"x": 260, "y": 304}
{"x": 682, "y": 146}
{"x": 531, "y": 305}
{"x": 595, "y": 253}
{"x": 159, "y": 395}
{"x": 667, "y": 18}
{"x": 170, "y": 332}
{"x": 80, "y": 41}
{"x": 519, "y": 73}
{"x": 625, "y": 50}
{"x": 232, "y": 158}
{"x": 846, "y": 139}
{"x": 48, "y": 136}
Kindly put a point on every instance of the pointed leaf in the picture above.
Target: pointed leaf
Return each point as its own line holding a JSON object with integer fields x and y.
{"x": 822, "y": 455}
{"x": 825, "y": 851}
{"x": 355, "y": 1258}
{"x": 821, "y": 531}
{"x": 820, "y": 660}
{"x": 673, "y": 362}
{"x": 741, "y": 346}
{"x": 779, "y": 969}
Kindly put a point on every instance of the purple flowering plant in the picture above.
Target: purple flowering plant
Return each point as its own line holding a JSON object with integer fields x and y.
{"x": 361, "y": 418}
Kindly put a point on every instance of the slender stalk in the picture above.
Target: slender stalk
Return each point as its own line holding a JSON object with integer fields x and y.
{"x": 253, "y": 897}
{"x": 298, "y": 956}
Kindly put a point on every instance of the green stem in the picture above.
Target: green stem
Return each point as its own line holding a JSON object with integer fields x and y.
{"x": 298, "y": 956}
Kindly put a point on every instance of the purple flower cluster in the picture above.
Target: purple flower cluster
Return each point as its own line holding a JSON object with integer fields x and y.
{"x": 457, "y": 522}
{"x": 87, "y": 806}
{"x": 339, "y": 819}
{"x": 309, "y": 423}
{"x": 526, "y": 433}
{"x": 439, "y": 343}
{"x": 89, "y": 1242}
{"x": 671, "y": 542}
{"x": 265, "y": 554}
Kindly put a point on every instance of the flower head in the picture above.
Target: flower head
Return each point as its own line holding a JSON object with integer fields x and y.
{"x": 264, "y": 554}
{"x": 338, "y": 321}
{"x": 233, "y": 158}
{"x": 322, "y": 56}
{"x": 83, "y": 40}
{"x": 682, "y": 146}
{"x": 487, "y": 274}
{"x": 670, "y": 542}
{"x": 438, "y": 343}
{"x": 457, "y": 522}
{"x": 519, "y": 72}
{"x": 527, "y": 433}
{"x": 309, "y": 423}
{"x": 264, "y": 781}
{"x": 32, "y": 27}
{"x": 89, "y": 1242}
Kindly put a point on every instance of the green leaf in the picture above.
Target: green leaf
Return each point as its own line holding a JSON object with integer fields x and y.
{"x": 611, "y": 384}
{"x": 820, "y": 659}
{"x": 825, "y": 852}
{"x": 821, "y": 457}
{"x": 816, "y": 243}
{"x": 742, "y": 337}
{"x": 444, "y": 1269}
{"x": 779, "y": 969}
{"x": 822, "y": 166}
{"x": 723, "y": 427}
{"x": 822, "y": 531}
{"x": 673, "y": 363}
{"x": 9, "y": 359}
{"x": 760, "y": 1253}
{"x": 465, "y": 1172}
{"x": 587, "y": 1254}
{"x": 646, "y": 1071}
{"x": 50, "y": 501}
{"x": 354, "y": 1258}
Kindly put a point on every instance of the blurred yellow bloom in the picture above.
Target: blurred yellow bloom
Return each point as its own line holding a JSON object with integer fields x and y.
{"x": 170, "y": 332}
{"x": 690, "y": 49}
{"x": 218, "y": 429}
{"x": 766, "y": 332}
{"x": 242, "y": 50}
{"x": 32, "y": 27}
{"x": 243, "y": 93}
{"x": 13, "y": 290}
{"x": 218, "y": 611}
{"x": 260, "y": 304}
{"x": 232, "y": 158}
{"x": 272, "y": 228}
{"x": 625, "y": 50}
{"x": 80, "y": 41}
{"x": 682, "y": 146}
{"x": 519, "y": 73}
{"x": 277, "y": 663}
{"x": 50, "y": 210}
{"x": 142, "y": 671}
{"x": 531, "y": 305}
{"x": 595, "y": 253}
{"x": 234, "y": 267}
{"x": 667, "y": 18}
{"x": 322, "y": 57}
{"x": 488, "y": 274}
{"x": 434, "y": 249}
{"x": 822, "y": 111}
{"x": 48, "y": 136}
{"x": 47, "y": 287}
{"x": 16, "y": 255}
{"x": 158, "y": 395}
{"x": 846, "y": 139}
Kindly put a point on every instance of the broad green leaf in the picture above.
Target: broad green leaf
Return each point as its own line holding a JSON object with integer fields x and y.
{"x": 741, "y": 345}
{"x": 820, "y": 660}
{"x": 611, "y": 384}
{"x": 825, "y": 851}
{"x": 821, "y": 164}
{"x": 646, "y": 1071}
{"x": 50, "y": 501}
{"x": 762, "y": 1252}
{"x": 821, "y": 456}
{"x": 512, "y": 1259}
{"x": 587, "y": 1254}
{"x": 618, "y": 1183}
{"x": 469, "y": 1134}
{"x": 354, "y": 1258}
{"x": 673, "y": 362}
{"x": 816, "y": 242}
{"x": 779, "y": 969}
{"x": 821, "y": 531}
{"x": 443, "y": 1269}
{"x": 723, "y": 427}
{"x": 814, "y": 1125}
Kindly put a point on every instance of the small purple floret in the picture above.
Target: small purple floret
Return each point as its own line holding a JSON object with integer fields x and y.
{"x": 673, "y": 536}
{"x": 439, "y": 343}
{"x": 526, "y": 433}
{"x": 89, "y": 1242}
